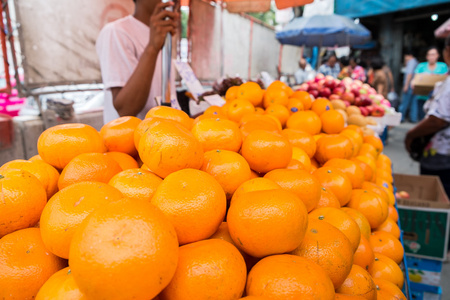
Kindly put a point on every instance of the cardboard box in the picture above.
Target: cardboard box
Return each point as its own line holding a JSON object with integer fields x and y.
{"x": 424, "y": 271}
{"x": 424, "y": 217}
{"x": 424, "y": 83}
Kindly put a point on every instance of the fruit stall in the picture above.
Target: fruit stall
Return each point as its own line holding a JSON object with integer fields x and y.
{"x": 273, "y": 195}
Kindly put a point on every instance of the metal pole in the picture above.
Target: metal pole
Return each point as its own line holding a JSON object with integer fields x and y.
{"x": 166, "y": 68}
{"x": 250, "y": 51}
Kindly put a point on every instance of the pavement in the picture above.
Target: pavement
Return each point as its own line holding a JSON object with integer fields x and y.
{"x": 403, "y": 164}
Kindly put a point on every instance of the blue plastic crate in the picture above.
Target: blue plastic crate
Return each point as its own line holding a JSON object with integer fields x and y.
{"x": 425, "y": 292}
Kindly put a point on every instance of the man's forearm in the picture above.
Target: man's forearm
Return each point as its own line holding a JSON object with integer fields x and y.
{"x": 427, "y": 126}
{"x": 132, "y": 98}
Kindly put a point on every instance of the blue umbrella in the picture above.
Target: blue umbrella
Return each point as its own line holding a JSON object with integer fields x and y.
{"x": 323, "y": 30}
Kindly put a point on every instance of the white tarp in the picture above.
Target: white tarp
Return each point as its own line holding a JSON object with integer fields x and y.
{"x": 58, "y": 38}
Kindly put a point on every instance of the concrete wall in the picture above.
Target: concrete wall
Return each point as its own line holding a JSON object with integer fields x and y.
{"x": 27, "y": 132}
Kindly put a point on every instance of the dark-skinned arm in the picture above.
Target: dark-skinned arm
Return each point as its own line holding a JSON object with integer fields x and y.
{"x": 130, "y": 99}
{"x": 427, "y": 126}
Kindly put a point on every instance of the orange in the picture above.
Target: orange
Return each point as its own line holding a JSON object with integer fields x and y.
{"x": 296, "y": 165}
{"x": 253, "y": 125}
{"x": 385, "y": 174}
{"x": 59, "y": 144}
{"x": 267, "y": 222}
{"x": 145, "y": 125}
{"x": 328, "y": 247}
{"x": 45, "y": 173}
{"x": 333, "y": 146}
{"x": 136, "y": 183}
{"x": 369, "y": 166}
{"x": 383, "y": 160}
{"x": 385, "y": 184}
{"x": 279, "y": 111}
{"x": 374, "y": 141}
{"x": 118, "y": 135}
{"x": 239, "y": 108}
{"x": 22, "y": 200}
{"x": 348, "y": 297}
{"x": 35, "y": 157}
{"x": 206, "y": 264}
{"x": 113, "y": 249}
{"x": 387, "y": 290}
{"x": 255, "y": 184}
{"x": 252, "y": 92}
{"x": 307, "y": 121}
{"x": 265, "y": 118}
{"x": 389, "y": 226}
{"x": 393, "y": 214}
{"x": 168, "y": 147}
{"x": 387, "y": 269}
{"x": 66, "y": 210}
{"x": 301, "y": 139}
{"x": 359, "y": 283}
{"x": 266, "y": 151}
{"x": 60, "y": 285}
{"x": 25, "y": 264}
{"x": 355, "y": 137}
{"x": 218, "y": 134}
{"x": 214, "y": 111}
{"x": 387, "y": 244}
{"x": 281, "y": 277}
{"x": 370, "y": 205}
{"x": 229, "y": 168}
{"x": 301, "y": 156}
{"x": 89, "y": 167}
{"x": 364, "y": 256}
{"x": 355, "y": 128}
{"x": 277, "y": 84}
{"x": 332, "y": 122}
{"x": 169, "y": 113}
{"x": 368, "y": 173}
{"x": 275, "y": 96}
{"x": 232, "y": 93}
{"x": 223, "y": 233}
{"x": 370, "y": 186}
{"x": 124, "y": 160}
{"x": 255, "y": 298}
{"x": 341, "y": 220}
{"x": 259, "y": 110}
{"x": 193, "y": 201}
{"x": 254, "y": 174}
{"x": 305, "y": 186}
{"x": 295, "y": 105}
{"x": 305, "y": 97}
{"x": 327, "y": 199}
{"x": 368, "y": 150}
{"x": 360, "y": 219}
{"x": 349, "y": 168}
{"x": 321, "y": 105}
{"x": 336, "y": 181}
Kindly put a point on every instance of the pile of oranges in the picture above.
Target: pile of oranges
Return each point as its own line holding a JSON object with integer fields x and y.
{"x": 271, "y": 196}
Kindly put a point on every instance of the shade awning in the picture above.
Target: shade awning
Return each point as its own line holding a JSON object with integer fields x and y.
{"x": 443, "y": 31}
{"x": 238, "y": 6}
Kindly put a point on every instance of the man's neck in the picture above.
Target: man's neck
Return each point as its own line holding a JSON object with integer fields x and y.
{"x": 142, "y": 14}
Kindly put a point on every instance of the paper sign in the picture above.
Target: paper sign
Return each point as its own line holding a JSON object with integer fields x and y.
{"x": 214, "y": 100}
{"x": 189, "y": 78}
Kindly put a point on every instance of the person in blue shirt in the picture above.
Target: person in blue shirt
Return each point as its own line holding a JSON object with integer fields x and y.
{"x": 407, "y": 92}
{"x": 431, "y": 66}
{"x": 331, "y": 67}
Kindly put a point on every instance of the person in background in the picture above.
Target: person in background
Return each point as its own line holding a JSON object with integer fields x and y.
{"x": 431, "y": 66}
{"x": 357, "y": 72}
{"x": 305, "y": 72}
{"x": 344, "y": 64}
{"x": 380, "y": 79}
{"x": 436, "y": 156}
{"x": 130, "y": 60}
{"x": 331, "y": 67}
{"x": 407, "y": 92}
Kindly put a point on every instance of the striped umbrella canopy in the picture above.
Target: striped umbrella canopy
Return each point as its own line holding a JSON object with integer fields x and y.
{"x": 443, "y": 31}
{"x": 237, "y": 6}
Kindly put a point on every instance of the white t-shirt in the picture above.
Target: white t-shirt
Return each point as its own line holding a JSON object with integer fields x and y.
{"x": 120, "y": 45}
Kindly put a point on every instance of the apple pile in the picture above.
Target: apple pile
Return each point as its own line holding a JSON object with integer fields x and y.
{"x": 352, "y": 92}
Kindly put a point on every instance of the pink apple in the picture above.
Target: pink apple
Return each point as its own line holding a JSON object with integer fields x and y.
{"x": 334, "y": 97}
{"x": 347, "y": 104}
{"x": 350, "y": 97}
{"x": 364, "y": 111}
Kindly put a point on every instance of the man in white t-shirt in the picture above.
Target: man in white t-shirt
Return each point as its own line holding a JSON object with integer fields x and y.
{"x": 130, "y": 60}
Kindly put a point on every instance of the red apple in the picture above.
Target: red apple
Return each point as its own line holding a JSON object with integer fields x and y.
{"x": 364, "y": 111}
{"x": 404, "y": 195}
{"x": 350, "y": 97}
{"x": 325, "y": 92}
{"x": 334, "y": 97}
{"x": 314, "y": 93}
{"x": 378, "y": 111}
